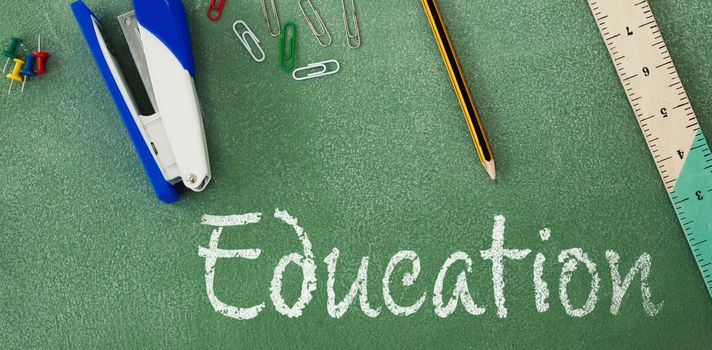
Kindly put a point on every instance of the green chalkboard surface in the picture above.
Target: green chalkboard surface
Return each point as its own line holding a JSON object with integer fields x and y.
{"x": 374, "y": 162}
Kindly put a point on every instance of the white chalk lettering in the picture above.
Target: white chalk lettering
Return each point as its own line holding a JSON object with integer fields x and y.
{"x": 541, "y": 289}
{"x": 496, "y": 254}
{"x": 408, "y": 280}
{"x": 570, "y": 258}
{"x": 305, "y": 262}
{"x": 461, "y": 291}
{"x": 642, "y": 266}
{"x": 337, "y": 310}
{"x": 445, "y": 299}
{"x": 213, "y": 253}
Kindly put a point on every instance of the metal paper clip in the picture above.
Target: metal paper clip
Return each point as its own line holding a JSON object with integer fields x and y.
{"x": 276, "y": 18}
{"x": 317, "y": 33}
{"x": 244, "y": 35}
{"x": 354, "y": 36}
{"x": 215, "y": 10}
{"x": 290, "y": 57}
{"x": 322, "y": 70}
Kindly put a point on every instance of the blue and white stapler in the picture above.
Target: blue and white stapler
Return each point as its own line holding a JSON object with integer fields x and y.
{"x": 170, "y": 143}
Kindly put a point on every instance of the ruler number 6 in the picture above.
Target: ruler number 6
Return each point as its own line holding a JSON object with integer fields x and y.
{"x": 646, "y": 71}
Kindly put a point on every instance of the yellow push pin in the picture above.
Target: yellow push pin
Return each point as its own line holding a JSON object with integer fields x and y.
{"x": 15, "y": 74}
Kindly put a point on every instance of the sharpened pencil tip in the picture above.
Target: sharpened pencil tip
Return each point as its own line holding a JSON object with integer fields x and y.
{"x": 489, "y": 167}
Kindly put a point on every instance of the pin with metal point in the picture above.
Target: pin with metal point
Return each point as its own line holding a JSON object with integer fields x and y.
{"x": 323, "y": 31}
{"x": 10, "y": 51}
{"x": 41, "y": 58}
{"x": 27, "y": 69}
{"x": 14, "y": 75}
{"x": 316, "y": 70}
{"x": 353, "y": 39}
{"x": 276, "y": 19}
{"x": 243, "y": 36}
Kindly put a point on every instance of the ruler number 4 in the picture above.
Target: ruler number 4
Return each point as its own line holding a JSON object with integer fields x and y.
{"x": 627, "y": 30}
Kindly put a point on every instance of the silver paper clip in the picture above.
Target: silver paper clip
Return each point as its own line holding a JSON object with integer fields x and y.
{"x": 322, "y": 70}
{"x": 243, "y": 37}
{"x": 276, "y": 19}
{"x": 322, "y": 30}
{"x": 355, "y": 36}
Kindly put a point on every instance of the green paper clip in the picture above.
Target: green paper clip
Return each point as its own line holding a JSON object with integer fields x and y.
{"x": 286, "y": 61}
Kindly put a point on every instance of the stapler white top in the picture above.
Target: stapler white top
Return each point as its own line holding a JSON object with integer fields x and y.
{"x": 170, "y": 143}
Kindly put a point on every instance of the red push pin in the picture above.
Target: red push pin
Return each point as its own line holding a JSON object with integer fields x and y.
{"x": 41, "y": 58}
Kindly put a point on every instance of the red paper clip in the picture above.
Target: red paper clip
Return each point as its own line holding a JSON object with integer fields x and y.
{"x": 215, "y": 11}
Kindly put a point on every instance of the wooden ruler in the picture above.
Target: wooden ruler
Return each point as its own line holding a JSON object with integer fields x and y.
{"x": 665, "y": 115}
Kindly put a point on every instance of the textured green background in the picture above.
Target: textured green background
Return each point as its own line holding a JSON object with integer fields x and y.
{"x": 373, "y": 160}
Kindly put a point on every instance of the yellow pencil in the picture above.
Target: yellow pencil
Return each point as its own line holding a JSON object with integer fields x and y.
{"x": 472, "y": 118}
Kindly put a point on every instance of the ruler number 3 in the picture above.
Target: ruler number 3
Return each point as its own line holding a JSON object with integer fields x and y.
{"x": 699, "y": 195}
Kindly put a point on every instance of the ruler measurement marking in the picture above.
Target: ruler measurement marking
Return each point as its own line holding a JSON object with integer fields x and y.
{"x": 684, "y": 200}
{"x": 679, "y": 150}
{"x": 698, "y": 243}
